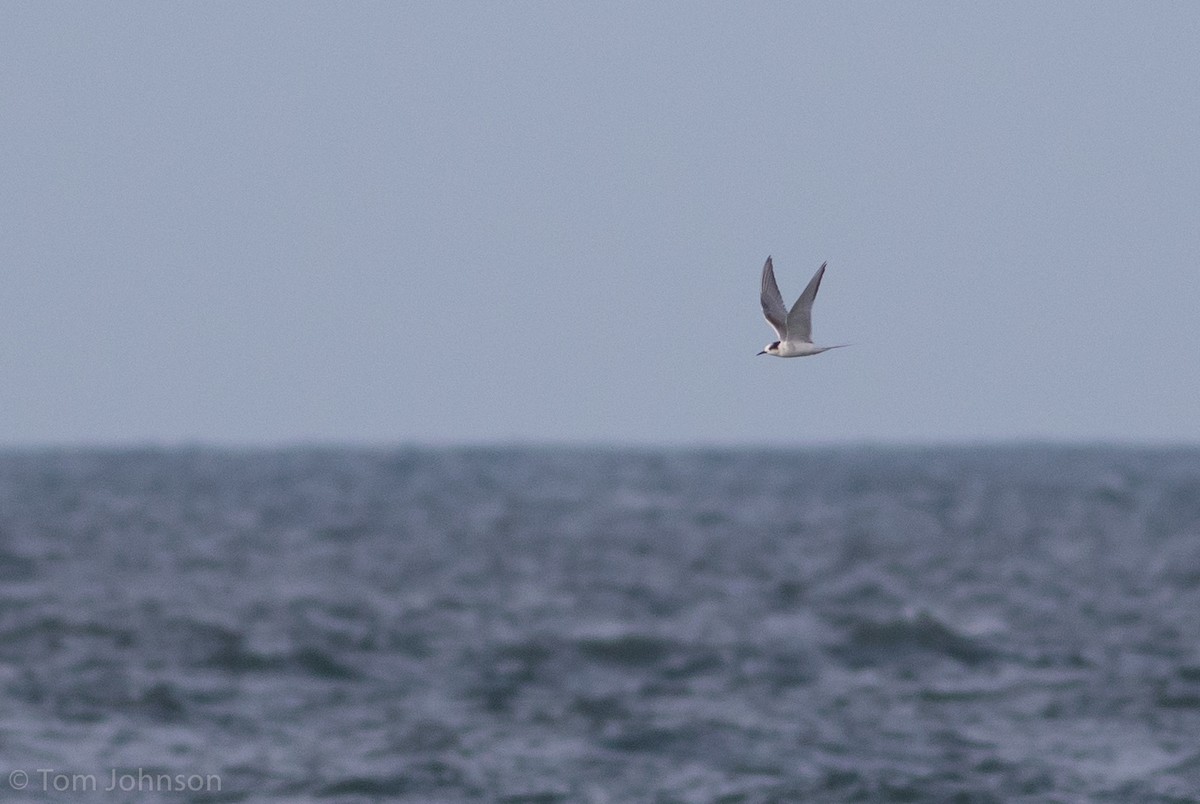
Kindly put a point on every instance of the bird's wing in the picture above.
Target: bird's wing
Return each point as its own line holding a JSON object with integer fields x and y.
{"x": 799, "y": 320}
{"x": 772, "y": 302}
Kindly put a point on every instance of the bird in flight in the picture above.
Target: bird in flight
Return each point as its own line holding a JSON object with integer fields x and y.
{"x": 794, "y": 328}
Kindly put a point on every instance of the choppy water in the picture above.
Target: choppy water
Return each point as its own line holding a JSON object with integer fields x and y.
{"x": 998, "y": 624}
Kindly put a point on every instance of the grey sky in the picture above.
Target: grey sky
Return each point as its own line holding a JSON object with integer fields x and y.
{"x": 390, "y": 222}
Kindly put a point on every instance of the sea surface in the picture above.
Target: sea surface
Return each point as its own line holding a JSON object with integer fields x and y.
{"x": 994, "y": 624}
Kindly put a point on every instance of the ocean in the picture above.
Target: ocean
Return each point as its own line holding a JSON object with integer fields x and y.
{"x": 968, "y": 624}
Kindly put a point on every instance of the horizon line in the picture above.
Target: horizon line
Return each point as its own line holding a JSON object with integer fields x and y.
{"x": 384, "y": 445}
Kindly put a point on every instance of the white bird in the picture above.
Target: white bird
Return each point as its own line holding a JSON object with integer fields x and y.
{"x": 794, "y": 328}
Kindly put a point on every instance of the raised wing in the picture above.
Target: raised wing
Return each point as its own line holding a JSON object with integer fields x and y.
{"x": 772, "y": 302}
{"x": 799, "y": 320}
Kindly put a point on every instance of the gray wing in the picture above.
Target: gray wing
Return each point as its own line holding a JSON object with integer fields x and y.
{"x": 799, "y": 320}
{"x": 772, "y": 302}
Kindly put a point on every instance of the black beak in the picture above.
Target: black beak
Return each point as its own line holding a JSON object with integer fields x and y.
{"x": 763, "y": 352}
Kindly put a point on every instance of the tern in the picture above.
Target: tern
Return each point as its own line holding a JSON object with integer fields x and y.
{"x": 795, "y": 327}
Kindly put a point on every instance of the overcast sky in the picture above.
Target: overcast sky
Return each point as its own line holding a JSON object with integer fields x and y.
{"x": 247, "y": 223}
